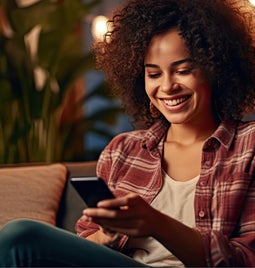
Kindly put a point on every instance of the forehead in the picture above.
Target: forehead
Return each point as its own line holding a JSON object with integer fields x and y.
{"x": 169, "y": 45}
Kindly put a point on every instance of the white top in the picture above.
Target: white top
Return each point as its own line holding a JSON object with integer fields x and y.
{"x": 175, "y": 199}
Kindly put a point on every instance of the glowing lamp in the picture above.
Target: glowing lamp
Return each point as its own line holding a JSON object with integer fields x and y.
{"x": 99, "y": 27}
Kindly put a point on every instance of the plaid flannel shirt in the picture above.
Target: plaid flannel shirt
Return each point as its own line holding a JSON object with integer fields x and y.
{"x": 225, "y": 193}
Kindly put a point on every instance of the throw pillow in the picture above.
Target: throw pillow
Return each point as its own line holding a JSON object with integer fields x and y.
{"x": 32, "y": 192}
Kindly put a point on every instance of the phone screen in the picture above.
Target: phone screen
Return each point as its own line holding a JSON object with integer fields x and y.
{"x": 91, "y": 189}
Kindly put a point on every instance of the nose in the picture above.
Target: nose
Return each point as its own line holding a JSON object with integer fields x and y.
{"x": 168, "y": 83}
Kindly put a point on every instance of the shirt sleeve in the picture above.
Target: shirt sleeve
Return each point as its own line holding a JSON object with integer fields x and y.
{"x": 83, "y": 228}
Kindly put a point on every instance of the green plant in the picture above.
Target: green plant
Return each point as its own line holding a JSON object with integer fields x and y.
{"x": 34, "y": 82}
{"x": 99, "y": 123}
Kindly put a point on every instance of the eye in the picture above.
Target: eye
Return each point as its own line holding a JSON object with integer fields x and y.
{"x": 185, "y": 71}
{"x": 153, "y": 75}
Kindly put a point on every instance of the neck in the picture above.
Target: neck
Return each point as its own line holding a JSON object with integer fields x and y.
{"x": 189, "y": 134}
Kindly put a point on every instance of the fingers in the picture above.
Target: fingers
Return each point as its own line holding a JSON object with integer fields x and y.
{"x": 100, "y": 213}
{"x": 133, "y": 228}
{"x": 110, "y": 232}
{"x": 114, "y": 221}
{"x": 128, "y": 200}
{"x": 134, "y": 216}
{"x": 113, "y": 237}
{"x": 124, "y": 224}
{"x": 107, "y": 208}
{"x": 131, "y": 209}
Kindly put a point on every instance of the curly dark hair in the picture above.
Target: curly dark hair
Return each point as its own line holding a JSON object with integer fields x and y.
{"x": 218, "y": 34}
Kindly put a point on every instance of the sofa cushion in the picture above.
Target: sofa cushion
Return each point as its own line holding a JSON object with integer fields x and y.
{"x": 32, "y": 192}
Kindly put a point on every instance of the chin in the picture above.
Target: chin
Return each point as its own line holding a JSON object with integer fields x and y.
{"x": 176, "y": 119}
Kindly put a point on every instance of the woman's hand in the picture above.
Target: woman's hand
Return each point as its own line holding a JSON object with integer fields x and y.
{"x": 133, "y": 218}
{"x": 105, "y": 238}
{"x": 136, "y": 218}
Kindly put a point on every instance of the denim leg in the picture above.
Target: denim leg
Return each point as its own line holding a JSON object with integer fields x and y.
{"x": 27, "y": 243}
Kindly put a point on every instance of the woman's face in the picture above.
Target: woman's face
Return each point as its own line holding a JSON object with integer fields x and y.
{"x": 176, "y": 87}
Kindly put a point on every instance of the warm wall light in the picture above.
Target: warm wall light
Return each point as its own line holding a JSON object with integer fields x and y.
{"x": 99, "y": 27}
{"x": 252, "y": 2}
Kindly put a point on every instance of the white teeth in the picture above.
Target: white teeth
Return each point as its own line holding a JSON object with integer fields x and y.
{"x": 175, "y": 101}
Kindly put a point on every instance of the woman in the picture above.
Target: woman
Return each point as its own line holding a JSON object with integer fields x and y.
{"x": 184, "y": 181}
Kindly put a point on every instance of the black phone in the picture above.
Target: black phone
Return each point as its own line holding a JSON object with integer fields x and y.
{"x": 91, "y": 189}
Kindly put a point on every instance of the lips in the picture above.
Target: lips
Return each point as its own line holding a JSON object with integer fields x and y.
{"x": 176, "y": 102}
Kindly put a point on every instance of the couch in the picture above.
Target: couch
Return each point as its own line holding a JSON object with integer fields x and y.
{"x": 42, "y": 192}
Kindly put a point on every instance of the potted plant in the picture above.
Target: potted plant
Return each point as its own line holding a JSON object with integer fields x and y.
{"x": 34, "y": 80}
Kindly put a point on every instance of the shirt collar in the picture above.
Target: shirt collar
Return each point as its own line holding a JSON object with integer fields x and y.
{"x": 156, "y": 133}
{"x": 225, "y": 133}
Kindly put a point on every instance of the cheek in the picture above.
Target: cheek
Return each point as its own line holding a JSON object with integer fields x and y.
{"x": 149, "y": 88}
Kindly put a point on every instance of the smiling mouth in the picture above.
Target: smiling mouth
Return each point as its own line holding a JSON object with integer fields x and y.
{"x": 176, "y": 102}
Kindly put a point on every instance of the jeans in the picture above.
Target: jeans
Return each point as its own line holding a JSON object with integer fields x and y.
{"x": 28, "y": 243}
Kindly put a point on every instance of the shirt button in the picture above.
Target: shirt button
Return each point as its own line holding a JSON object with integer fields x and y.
{"x": 202, "y": 183}
{"x": 207, "y": 164}
{"x": 201, "y": 214}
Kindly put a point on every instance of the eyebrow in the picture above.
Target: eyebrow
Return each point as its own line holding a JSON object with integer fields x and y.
{"x": 173, "y": 64}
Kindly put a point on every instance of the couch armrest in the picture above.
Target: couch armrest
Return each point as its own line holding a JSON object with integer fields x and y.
{"x": 71, "y": 205}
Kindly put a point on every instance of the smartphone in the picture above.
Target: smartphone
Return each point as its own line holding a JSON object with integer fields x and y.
{"x": 91, "y": 189}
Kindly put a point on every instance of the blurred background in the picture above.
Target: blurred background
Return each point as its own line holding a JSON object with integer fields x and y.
{"x": 94, "y": 28}
{"x": 54, "y": 105}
